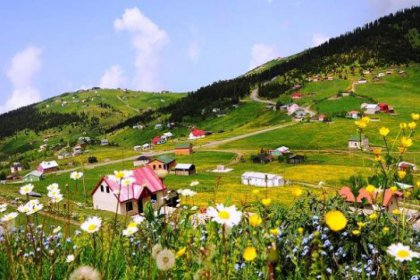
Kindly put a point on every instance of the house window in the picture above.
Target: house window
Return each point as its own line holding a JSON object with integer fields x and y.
{"x": 153, "y": 197}
{"x": 129, "y": 206}
{"x": 102, "y": 188}
{"x": 107, "y": 189}
{"x": 160, "y": 166}
{"x": 154, "y": 167}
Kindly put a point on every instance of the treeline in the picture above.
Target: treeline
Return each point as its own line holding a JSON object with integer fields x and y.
{"x": 30, "y": 118}
{"x": 393, "y": 39}
{"x": 273, "y": 90}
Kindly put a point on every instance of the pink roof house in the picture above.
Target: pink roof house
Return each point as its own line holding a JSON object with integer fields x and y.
{"x": 141, "y": 185}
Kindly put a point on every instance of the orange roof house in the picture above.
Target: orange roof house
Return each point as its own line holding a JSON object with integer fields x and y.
{"x": 390, "y": 200}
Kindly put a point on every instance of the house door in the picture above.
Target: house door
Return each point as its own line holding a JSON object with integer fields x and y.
{"x": 140, "y": 205}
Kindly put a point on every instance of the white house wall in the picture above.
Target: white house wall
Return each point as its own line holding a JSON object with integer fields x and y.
{"x": 104, "y": 200}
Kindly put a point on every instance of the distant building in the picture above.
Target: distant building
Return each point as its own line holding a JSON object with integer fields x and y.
{"x": 163, "y": 162}
{"x": 184, "y": 169}
{"x": 407, "y": 166}
{"x": 158, "y": 140}
{"x": 370, "y": 109}
{"x": 77, "y": 150}
{"x": 390, "y": 201}
{"x": 146, "y": 187}
{"x": 183, "y": 149}
{"x": 296, "y": 95}
{"x": 196, "y": 134}
{"x": 259, "y": 179}
{"x": 104, "y": 142}
{"x": 354, "y": 142}
{"x": 141, "y": 161}
{"x": 295, "y": 159}
{"x": 48, "y": 166}
{"x": 16, "y": 167}
{"x": 362, "y": 81}
{"x": 353, "y": 114}
{"x": 33, "y": 176}
{"x": 280, "y": 151}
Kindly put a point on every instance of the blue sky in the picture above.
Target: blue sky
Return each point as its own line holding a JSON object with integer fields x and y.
{"x": 50, "y": 47}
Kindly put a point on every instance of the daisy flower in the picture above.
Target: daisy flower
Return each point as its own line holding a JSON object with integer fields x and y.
{"x": 9, "y": 217}
{"x": 24, "y": 190}
{"x": 228, "y": 216}
{"x": 3, "y": 207}
{"x": 91, "y": 225}
{"x": 76, "y": 175}
{"x": 401, "y": 253}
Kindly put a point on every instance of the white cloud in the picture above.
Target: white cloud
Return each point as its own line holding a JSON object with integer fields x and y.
{"x": 318, "y": 39}
{"x": 113, "y": 78}
{"x": 388, "y": 6}
{"x": 148, "y": 39}
{"x": 23, "y": 67}
{"x": 194, "y": 50}
{"x": 262, "y": 53}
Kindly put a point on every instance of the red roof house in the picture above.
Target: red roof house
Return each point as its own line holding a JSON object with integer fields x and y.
{"x": 390, "y": 199}
{"x": 297, "y": 95}
{"x": 140, "y": 186}
{"x": 197, "y": 133}
{"x": 383, "y": 107}
{"x": 156, "y": 140}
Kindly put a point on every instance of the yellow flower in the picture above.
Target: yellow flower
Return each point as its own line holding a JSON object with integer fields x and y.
{"x": 373, "y": 216}
{"x": 378, "y": 158}
{"x": 412, "y": 125}
{"x": 256, "y": 191}
{"x": 356, "y": 232}
{"x": 384, "y": 131}
{"x": 360, "y": 224}
{"x": 249, "y": 254}
{"x": 401, "y": 150}
{"x": 366, "y": 120}
{"x": 402, "y": 174}
{"x": 335, "y": 220}
{"x": 274, "y": 231}
{"x": 297, "y": 192}
{"x": 393, "y": 189}
{"x": 180, "y": 252}
{"x": 255, "y": 220}
{"x": 361, "y": 124}
{"x": 385, "y": 230}
{"x": 120, "y": 174}
{"x": 396, "y": 211}
{"x": 300, "y": 230}
{"x": 377, "y": 151}
{"x": 406, "y": 142}
{"x": 403, "y": 125}
{"x": 370, "y": 189}
{"x": 266, "y": 201}
{"x": 415, "y": 117}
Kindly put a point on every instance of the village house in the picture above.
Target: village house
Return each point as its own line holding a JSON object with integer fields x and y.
{"x": 370, "y": 109}
{"x": 33, "y": 176}
{"x": 158, "y": 140}
{"x": 16, "y": 167}
{"x": 291, "y": 109}
{"x": 280, "y": 151}
{"x": 197, "y": 134}
{"x": 184, "y": 169}
{"x": 390, "y": 199}
{"x": 163, "y": 162}
{"x": 354, "y": 142}
{"x": 380, "y": 75}
{"x": 330, "y": 78}
{"x": 63, "y": 155}
{"x": 84, "y": 141}
{"x": 158, "y": 126}
{"x": 77, "y": 150}
{"x": 43, "y": 147}
{"x": 141, "y": 161}
{"x": 259, "y": 179}
{"x": 167, "y": 135}
{"x": 322, "y": 118}
{"x": 183, "y": 149}
{"x": 353, "y": 114}
{"x": 222, "y": 169}
{"x": 362, "y": 81}
{"x": 145, "y": 187}
{"x": 295, "y": 159}
{"x": 138, "y": 126}
{"x": 104, "y": 142}
{"x": 407, "y": 166}
{"x": 296, "y": 95}
{"x": 48, "y": 166}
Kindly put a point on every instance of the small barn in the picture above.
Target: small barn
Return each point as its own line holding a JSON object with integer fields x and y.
{"x": 164, "y": 162}
{"x": 370, "y": 109}
{"x": 196, "y": 134}
{"x": 184, "y": 169}
{"x": 259, "y": 179}
{"x": 16, "y": 167}
{"x": 141, "y": 161}
{"x": 48, "y": 166}
{"x": 295, "y": 159}
{"x": 33, "y": 176}
{"x": 354, "y": 142}
{"x": 296, "y": 95}
{"x": 184, "y": 149}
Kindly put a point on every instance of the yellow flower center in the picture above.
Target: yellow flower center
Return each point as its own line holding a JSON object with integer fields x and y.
{"x": 91, "y": 227}
{"x": 224, "y": 215}
{"x": 165, "y": 259}
{"x": 403, "y": 253}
